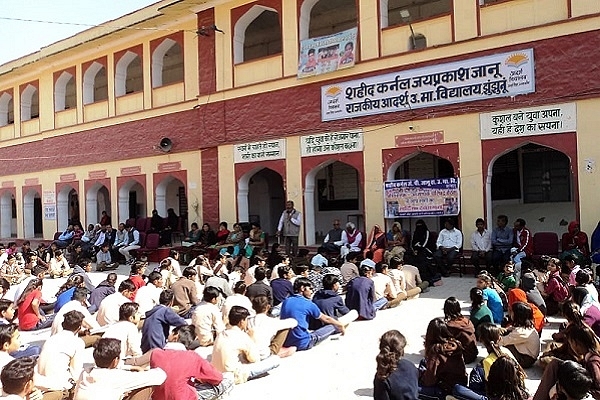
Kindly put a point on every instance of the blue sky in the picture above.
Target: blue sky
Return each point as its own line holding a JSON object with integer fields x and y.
{"x": 24, "y": 37}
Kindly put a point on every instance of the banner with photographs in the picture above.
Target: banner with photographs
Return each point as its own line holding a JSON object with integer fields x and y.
{"x": 481, "y": 78}
{"x": 326, "y": 54}
{"x": 422, "y": 198}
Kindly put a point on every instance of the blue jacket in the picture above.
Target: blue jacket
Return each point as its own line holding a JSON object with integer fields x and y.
{"x": 360, "y": 297}
{"x": 330, "y": 303}
{"x": 156, "y": 326}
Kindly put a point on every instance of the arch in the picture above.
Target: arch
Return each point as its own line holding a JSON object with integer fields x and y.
{"x": 426, "y": 165}
{"x": 132, "y": 200}
{"x": 64, "y": 92}
{"x": 261, "y": 197}
{"x": 97, "y": 199}
{"x": 167, "y": 63}
{"x": 128, "y": 74}
{"x": 320, "y": 200}
{"x": 325, "y": 17}
{"x": 32, "y": 213}
{"x": 29, "y": 103}
{"x": 95, "y": 85}
{"x": 6, "y": 214}
{"x": 67, "y": 206}
{"x": 5, "y": 103}
{"x": 259, "y": 20}
{"x": 167, "y": 195}
{"x": 534, "y": 181}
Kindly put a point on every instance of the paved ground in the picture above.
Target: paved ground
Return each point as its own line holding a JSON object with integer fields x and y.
{"x": 343, "y": 367}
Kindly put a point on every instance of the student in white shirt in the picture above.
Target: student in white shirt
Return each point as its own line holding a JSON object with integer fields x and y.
{"x": 17, "y": 380}
{"x": 105, "y": 382}
{"x": 207, "y": 317}
{"x": 61, "y": 359}
{"x": 126, "y": 330}
{"x": 148, "y": 296}
{"x": 77, "y": 303}
{"x": 269, "y": 332}
{"x": 108, "y": 312}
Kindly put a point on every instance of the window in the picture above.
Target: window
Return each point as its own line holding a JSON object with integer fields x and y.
{"x": 263, "y": 36}
{"x": 332, "y": 16}
{"x": 533, "y": 173}
{"x": 167, "y": 63}
{"x": 95, "y": 83}
{"x": 64, "y": 92}
{"x": 7, "y": 115}
{"x": 418, "y": 9}
{"x": 257, "y": 34}
{"x": 128, "y": 74}
{"x": 29, "y": 103}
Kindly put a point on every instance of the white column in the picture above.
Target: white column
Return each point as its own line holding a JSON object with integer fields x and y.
{"x": 91, "y": 206}
{"x": 28, "y": 216}
{"x": 160, "y": 200}
{"x": 123, "y": 204}
{"x": 242, "y": 202}
{"x": 6, "y": 216}
{"x": 309, "y": 210}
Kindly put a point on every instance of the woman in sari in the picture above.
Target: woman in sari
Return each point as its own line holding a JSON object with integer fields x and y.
{"x": 256, "y": 240}
{"x": 234, "y": 239}
{"x": 396, "y": 242}
{"x": 376, "y": 243}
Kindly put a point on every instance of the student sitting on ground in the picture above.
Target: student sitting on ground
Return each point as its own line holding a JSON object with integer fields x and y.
{"x": 260, "y": 286}
{"x": 235, "y": 350}
{"x": 522, "y": 339}
{"x": 491, "y": 297}
{"x": 189, "y": 376}
{"x": 159, "y": 320}
{"x": 443, "y": 365}
{"x": 147, "y": 296}
{"x": 7, "y": 313}
{"x": 360, "y": 294}
{"x": 78, "y": 303}
{"x": 461, "y": 328}
{"x": 103, "y": 290}
{"x": 384, "y": 286}
{"x": 65, "y": 292}
{"x": 397, "y": 378}
{"x": 82, "y": 270}
{"x": 270, "y": 333}
{"x": 61, "y": 359}
{"x": 11, "y": 270}
{"x": 566, "y": 380}
{"x": 207, "y": 317}
{"x": 17, "y": 379}
{"x": 126, "y": 330}
{"x": 105, "y": 381}
{"x": 108, "y": 312}
{"x": 238, "y": 298}
{"x": 331, "y": 303}
{"x": 303, "y": 310}
{"x": 104, "y": 259}
{"x": 489, "y": 335}
{"x": 31, "y": 316}
{"x": 59, "y": 266}
{"x": 184, "y": 289}
{"x": 480, "y": 313}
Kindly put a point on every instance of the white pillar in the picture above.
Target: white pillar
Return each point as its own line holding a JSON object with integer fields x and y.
{"x": 62, "y": 212}
{"x": 160, "y": 200}
{"x": 309, "y": 210}
{"x": 242, "y": 202}
{"x": 28, "y": 216}
{"x": 123, "y": 204}
{"x": 6, "y": 216}
{"x": 91, "y": 206}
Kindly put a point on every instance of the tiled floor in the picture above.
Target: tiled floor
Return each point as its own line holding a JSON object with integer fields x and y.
{"x": 343, "y": 367}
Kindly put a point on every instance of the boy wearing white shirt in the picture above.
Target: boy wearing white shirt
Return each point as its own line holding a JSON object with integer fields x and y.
{"x": 126, "y": 330}
{"x": 148, "y": 296}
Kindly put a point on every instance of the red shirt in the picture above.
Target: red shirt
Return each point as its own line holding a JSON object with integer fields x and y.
{"x": 180, "y": 366}
{"x": 27, "y": 317}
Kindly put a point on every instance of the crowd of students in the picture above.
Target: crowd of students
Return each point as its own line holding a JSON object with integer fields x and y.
{"x": 252, "y": 311}
{"x": 507, "y": 320}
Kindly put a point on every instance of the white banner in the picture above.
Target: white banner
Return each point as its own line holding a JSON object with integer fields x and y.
{"x": 498, "y": 75}
{"x": 326, "y": 54}
{"x": 259, "y": 151}
{"x": 557, "y": 118}
{"x": 331, "y": 143}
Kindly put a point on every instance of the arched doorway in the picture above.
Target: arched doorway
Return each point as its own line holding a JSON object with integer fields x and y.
{"x": 97, "y": 199}
{"x": 132, "y": 200}
{"x": 332, "y": 191}
{"x": 7, "y": 215}
{"x": 67, "y": 207}
{"x": 261, "y": 198}
{"x": 420, "y": 165}
{"x": 170, "y": 193}
{"x": 532, "y": 182}
{"x": 32, "y": 214}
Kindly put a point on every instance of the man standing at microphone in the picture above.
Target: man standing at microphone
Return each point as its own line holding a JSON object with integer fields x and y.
{"x": 289, "y": 228}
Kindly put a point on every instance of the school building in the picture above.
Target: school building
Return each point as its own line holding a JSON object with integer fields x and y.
{"x": 222, "y": 110}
